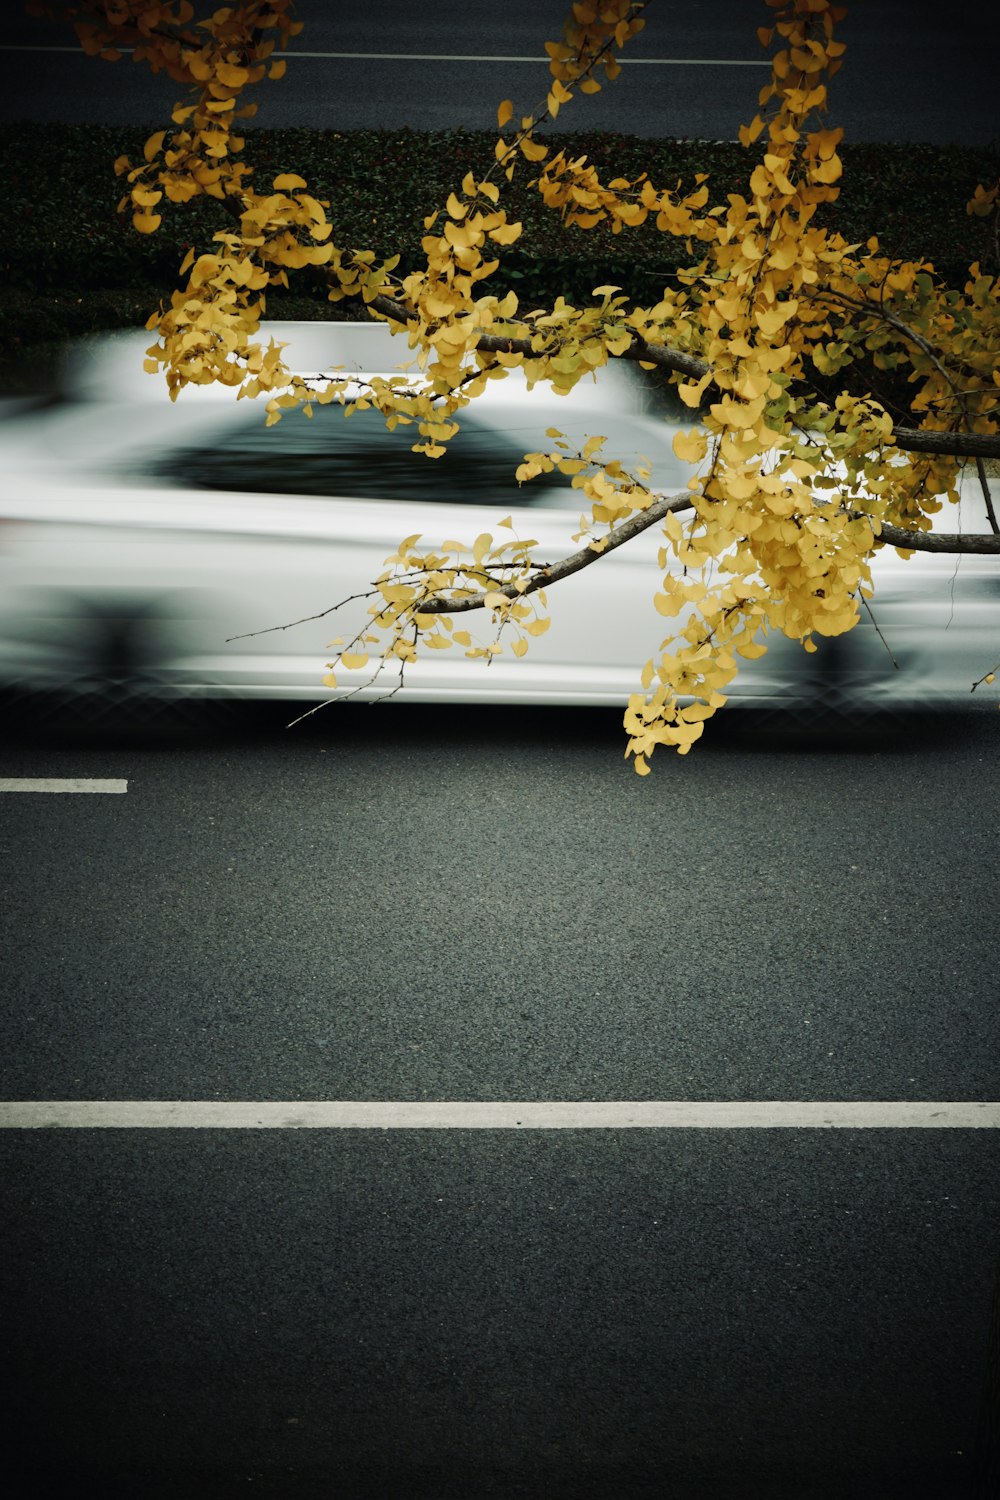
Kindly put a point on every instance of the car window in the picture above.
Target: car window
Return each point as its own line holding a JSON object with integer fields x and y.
{"x": 331, "y": 455}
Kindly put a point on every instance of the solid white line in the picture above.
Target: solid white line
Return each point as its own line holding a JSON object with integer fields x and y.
{"x": 648, "y": 62}
{"x": 61, "y": 784}
{"x": 446, "y": 1114}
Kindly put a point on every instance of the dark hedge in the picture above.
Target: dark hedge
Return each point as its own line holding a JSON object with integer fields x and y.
{"x": 70, "y": 265}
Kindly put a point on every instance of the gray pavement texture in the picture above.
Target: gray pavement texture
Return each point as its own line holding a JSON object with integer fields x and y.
{"x": 548, "y": 1316}
{"x": 405, "y": 903}
{"x": 490, "y": 905}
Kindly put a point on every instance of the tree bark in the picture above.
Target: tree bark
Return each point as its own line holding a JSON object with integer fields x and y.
{"x": 982, "y": 544}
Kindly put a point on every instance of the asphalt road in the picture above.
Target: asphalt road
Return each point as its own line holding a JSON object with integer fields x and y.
{"x": 389, "y": 904}
{"x": 915, "y": 71}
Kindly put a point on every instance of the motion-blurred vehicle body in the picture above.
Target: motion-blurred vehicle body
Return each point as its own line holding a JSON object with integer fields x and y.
{"x": 176, "y": 550}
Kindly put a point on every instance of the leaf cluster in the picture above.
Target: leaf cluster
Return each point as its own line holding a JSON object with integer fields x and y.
{"x": 755, "y": 298}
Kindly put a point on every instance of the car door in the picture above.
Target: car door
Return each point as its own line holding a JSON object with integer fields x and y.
{"x": 304, "y": 515}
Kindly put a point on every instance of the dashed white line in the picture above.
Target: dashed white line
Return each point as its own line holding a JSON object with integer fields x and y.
{"x": 447, "y": 1114}
{"x": 62, "y": 784}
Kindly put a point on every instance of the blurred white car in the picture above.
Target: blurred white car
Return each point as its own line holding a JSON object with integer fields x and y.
{"x": 143, "y": 542}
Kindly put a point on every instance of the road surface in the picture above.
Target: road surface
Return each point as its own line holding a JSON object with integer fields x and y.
{"x": 397, "y": 905}
{"x": 914, "y": 71}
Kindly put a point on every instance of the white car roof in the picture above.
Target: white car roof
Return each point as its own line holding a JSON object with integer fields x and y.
{"x": 109, "y": 367}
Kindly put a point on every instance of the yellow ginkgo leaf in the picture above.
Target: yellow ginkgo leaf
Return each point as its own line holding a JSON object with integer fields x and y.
{"x": 690, "y": 447}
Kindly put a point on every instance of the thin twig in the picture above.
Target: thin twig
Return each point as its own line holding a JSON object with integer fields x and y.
{"x": 878, "y": 632}
{"x": 986, "y": 677}
{"x": 306, "y": 619}
{"x": 361, "y": 688}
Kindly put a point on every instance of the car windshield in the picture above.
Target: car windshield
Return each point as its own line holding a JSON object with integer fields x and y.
{"x": 358, "y": 457}
{"x": 355, "y": 456}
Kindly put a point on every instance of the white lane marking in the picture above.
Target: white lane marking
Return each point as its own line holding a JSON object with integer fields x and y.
{"x": 446, "y": 1114}
{"x": 462, "y": 57}
{"x": 648, "y": 62}
{"x": 61, "y": 784}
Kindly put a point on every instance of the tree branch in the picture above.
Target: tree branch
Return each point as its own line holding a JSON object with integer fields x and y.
{"x": 908, "y": 439}
{"x": 895, "y": 536}
{"x": 984, "y": 485}
{"x": 941, "y": 541}
{"x": 952, "y": 444}
{"x": 665, "y": 505}
{"x": 937, "y": 359}
{"x": 877, "y": 310}
{"x": 654, "y": 354}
